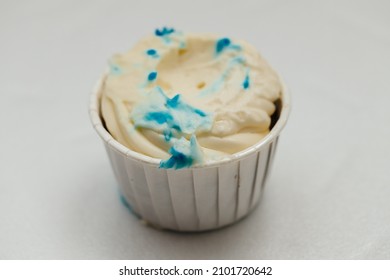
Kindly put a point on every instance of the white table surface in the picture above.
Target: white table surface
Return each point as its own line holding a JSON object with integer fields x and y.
{"x": 329, "y": 193}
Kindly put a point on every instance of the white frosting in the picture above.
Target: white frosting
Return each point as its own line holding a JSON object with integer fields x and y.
{"x": 226, "y": 94}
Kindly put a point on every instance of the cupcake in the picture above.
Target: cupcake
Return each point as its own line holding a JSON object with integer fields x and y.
{"x": 190, "y": 123}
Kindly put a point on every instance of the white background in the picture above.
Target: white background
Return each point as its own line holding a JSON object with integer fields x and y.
{"x": 329, "y": 193}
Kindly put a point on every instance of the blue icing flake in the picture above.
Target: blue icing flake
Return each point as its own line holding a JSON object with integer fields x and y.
{"x": 164, "y": 31}
{"x": 222, "y": 44}
{"x": 184, "y": 154}
{"x": 152, "y": 53}
{"x": 152, "y": 76}
{"x": 161, "y": 113}
{"x": 159, "y": 117}
{"x": 174, "y": 101}
{"x": 175, "y": 120}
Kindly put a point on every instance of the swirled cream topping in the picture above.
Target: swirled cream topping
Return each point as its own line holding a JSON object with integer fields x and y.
{"x": 189, "y": 98}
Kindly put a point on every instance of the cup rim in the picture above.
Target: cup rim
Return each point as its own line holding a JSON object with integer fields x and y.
{"x": 94, "y": 113}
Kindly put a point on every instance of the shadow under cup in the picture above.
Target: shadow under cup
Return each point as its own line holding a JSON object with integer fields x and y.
{"x": 198, "y": 198}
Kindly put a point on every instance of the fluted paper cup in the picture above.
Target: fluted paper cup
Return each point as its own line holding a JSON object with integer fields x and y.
{"x": 199, "y": 198}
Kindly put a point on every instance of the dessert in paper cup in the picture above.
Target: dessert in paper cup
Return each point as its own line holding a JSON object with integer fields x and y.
{"x": 191, "y": 124}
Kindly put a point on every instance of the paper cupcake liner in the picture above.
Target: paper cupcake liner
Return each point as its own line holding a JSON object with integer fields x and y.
{"x": 192, "y": 199}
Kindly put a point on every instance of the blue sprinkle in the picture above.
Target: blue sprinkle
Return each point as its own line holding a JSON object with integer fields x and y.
{"x": 159, "y": 117}
{"x": 246, "y": 82}
{"x": 174, "y": 101}
{"x": 175, "y": 126}
{"x": 222, "y": 44}
{"x": 164, "y": 31}
{"x": 151, "y": 52}
{"x": 167, "y": 135}
{"x": 152, "y": 76}
{"x": 200, "y": 112}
